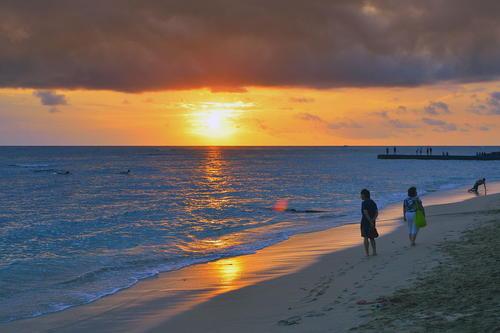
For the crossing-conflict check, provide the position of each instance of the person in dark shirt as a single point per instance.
(478, 183)
(369, 213)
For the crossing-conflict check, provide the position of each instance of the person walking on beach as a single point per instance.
(369, 214)
(410, 206)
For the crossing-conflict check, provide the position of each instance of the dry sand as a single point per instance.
(295, 286)
(460, 295)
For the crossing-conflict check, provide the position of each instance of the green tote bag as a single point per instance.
(420, 221)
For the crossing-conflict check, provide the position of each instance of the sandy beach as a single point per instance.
(318, 282)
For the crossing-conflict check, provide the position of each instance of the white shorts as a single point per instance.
(410, 219)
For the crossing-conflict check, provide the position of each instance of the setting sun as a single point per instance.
(214, 123)
(215, 120)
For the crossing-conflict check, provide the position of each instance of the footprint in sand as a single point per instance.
(314, 314)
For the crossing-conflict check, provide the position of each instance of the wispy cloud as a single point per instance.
(344, 124)
(329, 125)
(490, 106)
(395, 122)
(494, 103)
(310, 117)
(401, 124)
(440, 125)
(302, 100)
(51, 98)
(437, 108)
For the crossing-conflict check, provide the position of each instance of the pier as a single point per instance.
(495, 156)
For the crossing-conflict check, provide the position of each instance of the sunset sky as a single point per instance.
(228, 72)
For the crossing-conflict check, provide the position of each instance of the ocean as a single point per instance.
(76, 226)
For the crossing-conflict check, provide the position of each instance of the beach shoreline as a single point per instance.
(170, 300)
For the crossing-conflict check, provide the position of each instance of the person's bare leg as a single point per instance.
(366, 247)
(374, 246)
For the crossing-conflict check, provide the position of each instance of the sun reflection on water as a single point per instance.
(213, 182)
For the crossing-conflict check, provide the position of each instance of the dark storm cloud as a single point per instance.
(176, 44)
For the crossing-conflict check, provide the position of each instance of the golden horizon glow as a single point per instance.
(256, 117)
(215, 120)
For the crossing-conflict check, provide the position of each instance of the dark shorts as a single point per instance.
(367, 231)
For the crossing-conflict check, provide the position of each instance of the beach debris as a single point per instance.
(294, 320)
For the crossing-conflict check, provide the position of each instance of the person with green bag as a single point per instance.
(413, 214)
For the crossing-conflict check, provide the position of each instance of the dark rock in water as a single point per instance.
(305, 211)
(45, 170)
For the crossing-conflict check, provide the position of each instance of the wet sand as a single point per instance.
(309, 283)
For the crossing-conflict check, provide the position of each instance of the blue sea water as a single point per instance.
(69, 239)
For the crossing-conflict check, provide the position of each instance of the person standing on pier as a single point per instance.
(430, 150)
(394, 150)
(387, 151)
